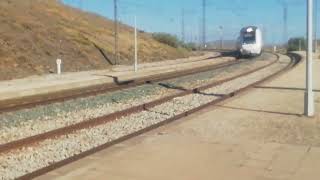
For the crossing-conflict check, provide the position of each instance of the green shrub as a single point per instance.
(294, 43)
(189, 46)
(173, 41)
(166, 38)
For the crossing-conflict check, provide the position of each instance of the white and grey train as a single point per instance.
(250, 41)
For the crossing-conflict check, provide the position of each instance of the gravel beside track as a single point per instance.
(29, 122)
(18, 163)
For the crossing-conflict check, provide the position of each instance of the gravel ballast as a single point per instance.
(15, 164)
(25, 123)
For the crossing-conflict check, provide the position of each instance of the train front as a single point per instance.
(251, 43)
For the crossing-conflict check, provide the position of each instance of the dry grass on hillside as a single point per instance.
(33, 33)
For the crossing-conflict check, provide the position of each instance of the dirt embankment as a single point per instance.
(33, 33)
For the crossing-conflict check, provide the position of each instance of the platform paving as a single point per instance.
(260, 135)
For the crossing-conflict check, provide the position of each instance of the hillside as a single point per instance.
(33, 33)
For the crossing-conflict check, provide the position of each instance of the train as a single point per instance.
(250, 42)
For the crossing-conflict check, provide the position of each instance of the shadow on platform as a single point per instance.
(283, 88)
(262, 111)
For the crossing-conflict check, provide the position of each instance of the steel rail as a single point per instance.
(61, 96)
(294, 61)
(29, 141)
(98, 121)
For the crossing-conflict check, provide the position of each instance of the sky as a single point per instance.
(232, 15)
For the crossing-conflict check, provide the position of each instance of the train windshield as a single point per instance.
(249, 37)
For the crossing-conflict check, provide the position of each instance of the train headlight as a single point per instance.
(249, 30)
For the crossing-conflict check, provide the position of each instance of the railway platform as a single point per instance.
(259, 135)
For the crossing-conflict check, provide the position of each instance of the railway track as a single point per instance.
(30, 122)
(34, 141)
(61, 96)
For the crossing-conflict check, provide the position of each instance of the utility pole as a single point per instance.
(315, 26)
(135, 45)
(116, 33)
(199, 35)
(285, 23)
(191, 36)
(285, 20)
(309, 95)
(183, 26)
(204, 25)
(221, 37)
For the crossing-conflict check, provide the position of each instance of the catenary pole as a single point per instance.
(309, 95)
(204, 23)
(285, 24)
(315, 26)
(135, 45)
(183, 35)
(221, 37)
(116, 34)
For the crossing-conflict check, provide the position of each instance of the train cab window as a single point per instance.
(249, 37)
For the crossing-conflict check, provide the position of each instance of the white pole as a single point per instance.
(300, 46)
(59, 61)
(309, 96)
(135, 45)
